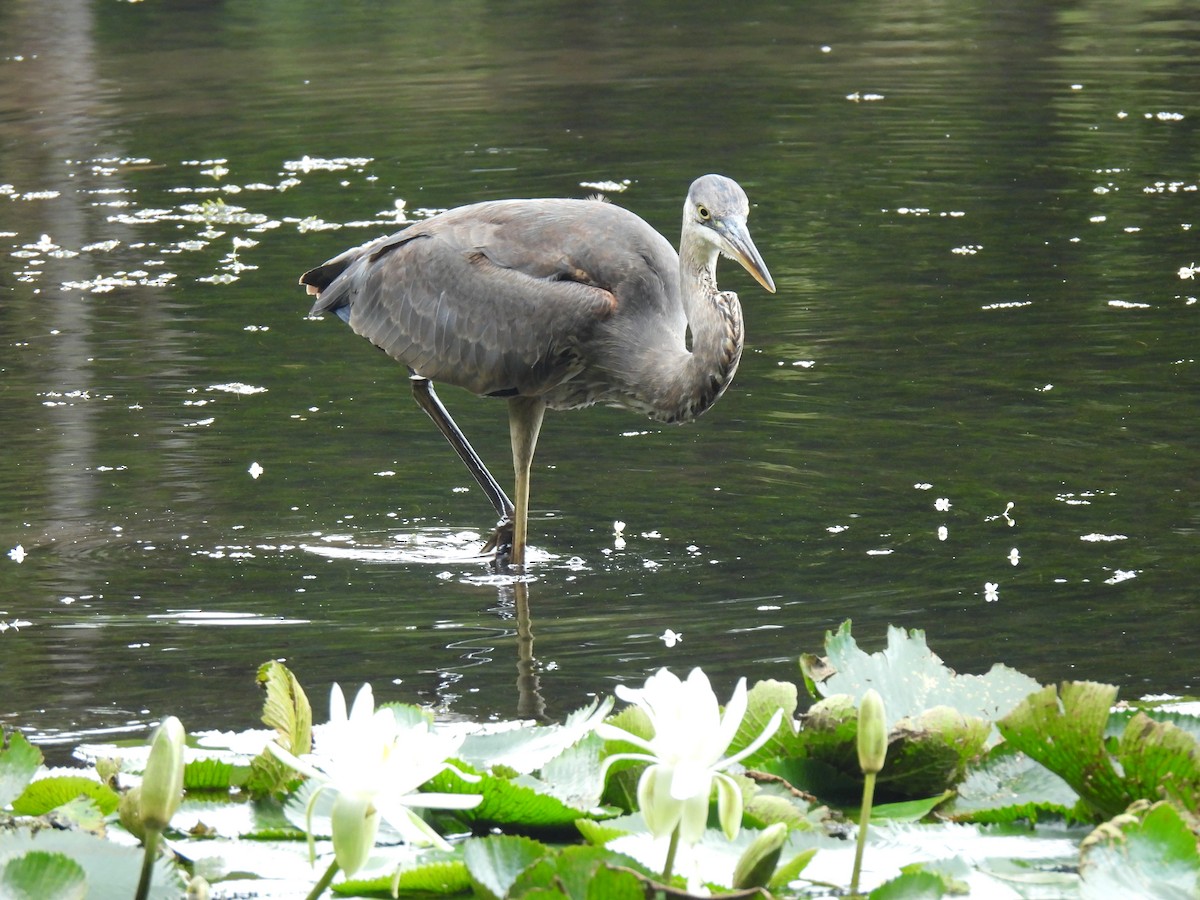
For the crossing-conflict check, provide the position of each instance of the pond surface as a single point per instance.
(971, 408)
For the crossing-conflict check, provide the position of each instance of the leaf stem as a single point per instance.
(864, 817)
(323, 882)
(150, 843)
(669, 865)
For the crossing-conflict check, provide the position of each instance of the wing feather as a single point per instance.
(500, 298)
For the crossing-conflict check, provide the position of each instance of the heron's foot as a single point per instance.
(500, 545)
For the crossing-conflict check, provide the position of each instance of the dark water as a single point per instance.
(982, 222)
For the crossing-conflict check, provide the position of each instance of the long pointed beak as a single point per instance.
(742, 249)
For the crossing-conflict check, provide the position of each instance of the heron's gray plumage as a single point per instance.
(557, 303)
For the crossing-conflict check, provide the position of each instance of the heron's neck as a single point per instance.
(715, 322)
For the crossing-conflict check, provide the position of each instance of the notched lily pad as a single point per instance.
(911, 678)
(50, 876)
(926, 754)
(19, 760)
(523, 802)
(1008, 786)
(1064, 730)
(1149, 853)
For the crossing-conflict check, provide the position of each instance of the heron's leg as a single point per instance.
(524, 423)
(423, 393)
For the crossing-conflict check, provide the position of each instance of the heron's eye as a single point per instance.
(703, 213)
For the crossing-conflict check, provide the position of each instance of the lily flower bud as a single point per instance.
(757, 864)
(872, 733)
(162, 782)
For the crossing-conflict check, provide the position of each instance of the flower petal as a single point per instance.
(757, 743)
(354, 823)
(364, 704)
(295, 762)
(412, 827)
(613, 733)
(729, 806)
(337, 704)
(693, 819)
(690, 778)
(735, 711)
(434, 800)
(627, 757)
(660, 810)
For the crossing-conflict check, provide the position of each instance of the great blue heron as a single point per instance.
(551, 303)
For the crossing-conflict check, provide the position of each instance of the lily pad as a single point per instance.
(19, 760)
(495, 862)
(434, 872)
(1065, 729)
(1007, 786)
(911, 678)
(38, 875)
(762, 700)
(112, 871)
(286, 709)
(581, 873)
(46, 794)
(525, 747)
(927, 753)
(1149, 853)
(522, 802)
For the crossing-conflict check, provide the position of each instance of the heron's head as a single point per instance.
(715, 214)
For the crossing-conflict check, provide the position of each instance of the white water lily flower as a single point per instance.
(375, 765)
(686, 754)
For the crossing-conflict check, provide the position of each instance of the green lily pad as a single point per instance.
(1149, 853)
(1008, 786)
(911, 678)
(525, 747)
(579, 873)
(19, 760)
(762, 700)
(915, 885)
(926, 754)
(112, 871)
(285, 709)
(1065, 729)
(523, 802)
(434, 872)
(495, 862)
(38, 875)
(46, 794)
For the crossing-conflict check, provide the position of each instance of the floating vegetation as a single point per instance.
(213, 202)
(1106, 794)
